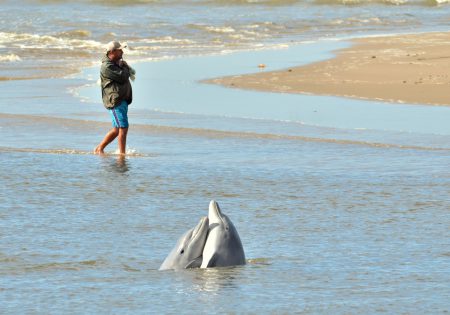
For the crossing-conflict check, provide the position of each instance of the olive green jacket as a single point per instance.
(116, 86)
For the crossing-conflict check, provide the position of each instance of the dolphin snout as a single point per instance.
(213, 203)
(201, 227)
(214, 213)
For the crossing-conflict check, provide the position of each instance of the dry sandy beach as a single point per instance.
(411, 68)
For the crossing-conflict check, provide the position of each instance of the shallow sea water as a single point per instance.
(325, 227)
(342, 205)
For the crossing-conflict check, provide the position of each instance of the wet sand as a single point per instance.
(409, 68)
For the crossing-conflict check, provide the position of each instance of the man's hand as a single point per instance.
(122, 63)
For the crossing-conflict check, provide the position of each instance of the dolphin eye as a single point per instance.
(182, 251)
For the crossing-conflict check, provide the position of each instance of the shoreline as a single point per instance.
(410, 68)
(154, 90)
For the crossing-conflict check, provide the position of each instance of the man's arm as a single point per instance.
(116, 73)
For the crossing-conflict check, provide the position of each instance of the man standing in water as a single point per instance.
(116, 95)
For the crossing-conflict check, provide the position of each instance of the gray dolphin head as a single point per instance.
(188, 251)
(223, 246)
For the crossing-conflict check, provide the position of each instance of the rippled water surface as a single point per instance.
(342, 205)
(332, 219)
(40, 38)
(326, 228)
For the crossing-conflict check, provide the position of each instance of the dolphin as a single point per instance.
(187, 253)
(223, 246)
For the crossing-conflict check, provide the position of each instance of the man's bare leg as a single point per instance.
(122, 140)
(110, 136)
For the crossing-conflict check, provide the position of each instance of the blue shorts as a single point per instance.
(119, 115)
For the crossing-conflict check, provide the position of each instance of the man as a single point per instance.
(116, 95)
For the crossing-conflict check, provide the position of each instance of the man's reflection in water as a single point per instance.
(115, 164)
(121, 165)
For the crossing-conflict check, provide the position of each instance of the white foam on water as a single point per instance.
(37, 41)
(129, 152)
(10, 58)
